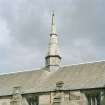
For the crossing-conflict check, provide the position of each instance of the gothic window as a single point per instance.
(33, 100)
(93, 99)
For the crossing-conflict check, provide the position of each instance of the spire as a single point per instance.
(53, 57)
(53, 26)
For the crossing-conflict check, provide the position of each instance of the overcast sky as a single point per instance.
(25, 27)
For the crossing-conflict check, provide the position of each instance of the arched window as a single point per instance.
(93, 99)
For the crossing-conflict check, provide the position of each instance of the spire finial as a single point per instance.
(53, 26)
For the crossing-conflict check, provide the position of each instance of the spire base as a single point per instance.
(53, 62)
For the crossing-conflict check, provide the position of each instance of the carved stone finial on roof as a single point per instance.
(17, 90)
(59, 85)
(16, 96)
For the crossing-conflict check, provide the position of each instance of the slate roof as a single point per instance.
(82, 76)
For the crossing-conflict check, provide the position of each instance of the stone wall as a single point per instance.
(44, 100)
(64, 98)
(59, 98)
(73, 98)
(24, 101)
(5, 101)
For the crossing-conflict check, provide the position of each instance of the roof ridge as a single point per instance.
(93, 62)
(23, 71)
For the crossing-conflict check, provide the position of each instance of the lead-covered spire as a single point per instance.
(53, 58)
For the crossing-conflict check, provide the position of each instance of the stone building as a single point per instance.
(82, 84)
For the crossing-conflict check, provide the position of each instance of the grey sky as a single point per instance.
(25, 26)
